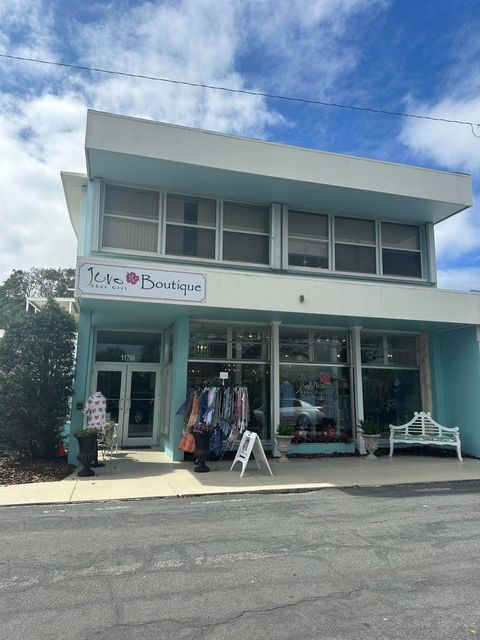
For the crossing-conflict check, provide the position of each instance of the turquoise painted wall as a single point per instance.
(456, 382)
(179, 386)
(82, 379)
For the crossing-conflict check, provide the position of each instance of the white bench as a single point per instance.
(423, 429)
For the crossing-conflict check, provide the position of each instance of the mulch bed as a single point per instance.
(15, 469)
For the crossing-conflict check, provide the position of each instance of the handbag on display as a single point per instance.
(187, 443)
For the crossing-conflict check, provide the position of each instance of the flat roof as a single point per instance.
(156, 154)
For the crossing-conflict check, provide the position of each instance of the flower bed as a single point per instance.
(315, 438)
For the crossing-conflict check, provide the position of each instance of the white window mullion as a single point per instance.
(219, 241)
(331, 243)
(161, 223)
(378, 229)
(285, 237)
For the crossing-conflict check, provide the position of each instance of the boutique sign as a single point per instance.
(132, 282)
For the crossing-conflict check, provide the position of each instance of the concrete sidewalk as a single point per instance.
(148, 473)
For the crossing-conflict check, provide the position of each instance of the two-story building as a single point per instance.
(307, 277)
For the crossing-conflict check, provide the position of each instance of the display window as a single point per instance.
(234, 355)
(315, 393)
(390, 377)
(255, 377)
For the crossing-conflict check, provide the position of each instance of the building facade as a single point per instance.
(307, 277)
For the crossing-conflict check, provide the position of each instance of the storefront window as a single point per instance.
(390, 377)
(315, 393)
(390, 396)
(294, 345)
(208, 341)
(230, 342)
(317, 401)
(313, 345)
(127, 346)
(256, 377)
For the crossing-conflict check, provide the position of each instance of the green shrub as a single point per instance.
(36, 373)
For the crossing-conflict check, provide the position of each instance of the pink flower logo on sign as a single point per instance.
(132, 277)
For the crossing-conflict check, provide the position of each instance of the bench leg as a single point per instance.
(459, 453)
(391, 448)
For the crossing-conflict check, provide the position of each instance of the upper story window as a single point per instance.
(401, 253)
(159, 224)
(355, 245)
(131, 219)
(307, 240)
(191, 227)
(246, 233)
(140, 220)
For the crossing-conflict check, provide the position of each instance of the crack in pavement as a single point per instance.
(287, 605)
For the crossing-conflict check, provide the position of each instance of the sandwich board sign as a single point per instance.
(250, 443)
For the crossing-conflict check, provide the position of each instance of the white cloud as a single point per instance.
(467, 279)
(453, 147)
(458, 236)
(310, 45)
(43, 109)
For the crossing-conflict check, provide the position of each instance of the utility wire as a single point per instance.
(244, 91)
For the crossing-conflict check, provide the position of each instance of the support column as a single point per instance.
(275, 378)
(179, 386)
(358, 386)
(83, 367)
(425, 375)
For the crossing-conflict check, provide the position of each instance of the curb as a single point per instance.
(282, 491)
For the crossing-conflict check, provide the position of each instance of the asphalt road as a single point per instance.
(339, 564)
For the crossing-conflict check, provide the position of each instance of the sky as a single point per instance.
(419, 56)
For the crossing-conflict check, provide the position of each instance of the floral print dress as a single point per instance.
(96, 410)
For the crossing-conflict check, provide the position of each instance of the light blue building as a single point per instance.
(309, 277)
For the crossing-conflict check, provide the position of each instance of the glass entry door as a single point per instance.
(132, 400)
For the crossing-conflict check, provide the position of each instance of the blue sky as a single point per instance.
(399, 55)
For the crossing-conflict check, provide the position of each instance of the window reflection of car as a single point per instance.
(302, 414)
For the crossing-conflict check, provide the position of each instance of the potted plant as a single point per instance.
(283, 439)
(87, 445)
(370, 431)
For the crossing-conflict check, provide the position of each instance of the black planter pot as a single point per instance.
(202, 451)
(86, 455)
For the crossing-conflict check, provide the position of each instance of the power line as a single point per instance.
(244, 91)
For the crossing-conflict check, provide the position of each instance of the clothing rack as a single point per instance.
(221, 409)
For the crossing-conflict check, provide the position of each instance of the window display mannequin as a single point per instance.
(96, 410)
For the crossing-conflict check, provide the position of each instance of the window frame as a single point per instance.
(310, 337)
(378, 274)
(268, 234)
(420, 250)
(328, 241)
(385, 335)
(230, 326)
(162, 222)
(138, 252)
(186, 225)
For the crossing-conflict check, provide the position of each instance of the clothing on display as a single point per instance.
(96, 410)
(221, 410)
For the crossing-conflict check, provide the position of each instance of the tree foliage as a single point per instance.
(36, 373)
(35, 282)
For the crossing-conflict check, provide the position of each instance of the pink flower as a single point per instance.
(132, 277)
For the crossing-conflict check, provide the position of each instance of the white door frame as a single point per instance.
(126, 370)
(125, 440)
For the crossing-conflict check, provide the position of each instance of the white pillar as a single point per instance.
(358, 386)
(275, 382)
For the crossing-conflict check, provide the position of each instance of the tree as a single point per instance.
(36, 282)
(36, 374)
